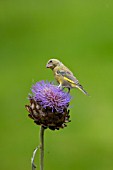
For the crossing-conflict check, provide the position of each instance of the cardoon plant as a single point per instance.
(48, 108)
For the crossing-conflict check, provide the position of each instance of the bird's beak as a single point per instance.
(47, 66)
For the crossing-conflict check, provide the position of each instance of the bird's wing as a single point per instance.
(68, 76)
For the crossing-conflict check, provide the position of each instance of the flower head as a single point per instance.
(49, 95)
(48, 105)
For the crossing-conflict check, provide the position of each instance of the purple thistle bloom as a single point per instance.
(49, 106)
(50, 96)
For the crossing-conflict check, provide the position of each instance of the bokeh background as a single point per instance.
(80, 34)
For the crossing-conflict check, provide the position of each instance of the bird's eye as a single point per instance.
(50, 61)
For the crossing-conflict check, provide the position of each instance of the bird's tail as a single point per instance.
(80, 87)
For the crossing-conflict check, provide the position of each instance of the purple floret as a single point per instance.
(49, 95)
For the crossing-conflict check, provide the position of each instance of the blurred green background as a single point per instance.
(80, 34)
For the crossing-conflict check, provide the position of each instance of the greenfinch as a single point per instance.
(64, 76)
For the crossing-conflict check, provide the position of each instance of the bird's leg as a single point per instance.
(60, 86)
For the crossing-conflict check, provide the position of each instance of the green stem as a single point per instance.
(41, 148)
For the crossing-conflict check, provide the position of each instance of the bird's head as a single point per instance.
(52, 63)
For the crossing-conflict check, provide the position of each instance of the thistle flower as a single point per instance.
(49, 105)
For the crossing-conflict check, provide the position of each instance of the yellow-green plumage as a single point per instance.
(63, 75)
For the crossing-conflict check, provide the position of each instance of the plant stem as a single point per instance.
(41, 148)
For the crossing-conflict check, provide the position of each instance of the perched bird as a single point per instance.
(64, 76)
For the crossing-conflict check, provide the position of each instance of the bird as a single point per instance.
(64, 76)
